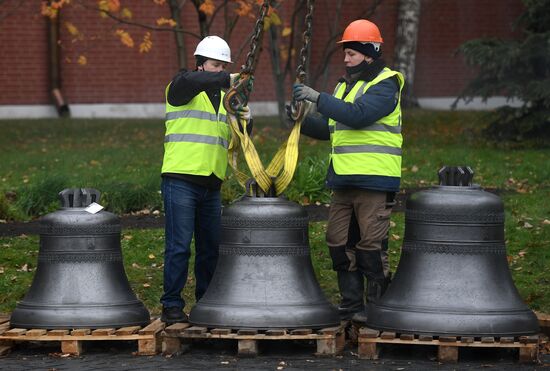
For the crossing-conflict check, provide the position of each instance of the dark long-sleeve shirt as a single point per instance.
(187, 84)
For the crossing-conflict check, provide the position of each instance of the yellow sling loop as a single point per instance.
(281, 169)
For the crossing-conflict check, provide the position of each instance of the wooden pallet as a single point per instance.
(544, 322)
(447, 346)
(148, 337)
(330, 341)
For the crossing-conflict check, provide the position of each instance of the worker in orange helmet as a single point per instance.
(362, 119)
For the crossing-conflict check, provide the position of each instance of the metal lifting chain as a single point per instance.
(274, 179)
(301, 69)
(252, 55)
(297, 109)
(237, 96)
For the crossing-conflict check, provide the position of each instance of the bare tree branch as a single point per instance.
(135, 24)
(175, 13)
(244, 44)
(203, 25)
(216, 10)
(297, 10)
(181, 4)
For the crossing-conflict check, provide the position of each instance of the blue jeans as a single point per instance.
(189, 209)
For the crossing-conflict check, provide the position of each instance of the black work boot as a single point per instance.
(171, 315)
(351, 285)
(370, 263)
(375, 290)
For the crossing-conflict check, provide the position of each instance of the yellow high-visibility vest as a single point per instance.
(196, 139)
(371, 150)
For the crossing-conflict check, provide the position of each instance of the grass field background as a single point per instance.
(122, 159)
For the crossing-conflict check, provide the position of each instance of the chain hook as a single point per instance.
(237, 96)
(299, 109)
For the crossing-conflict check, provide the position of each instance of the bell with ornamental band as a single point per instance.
(264, 278)
(80, 280)
(453, 277)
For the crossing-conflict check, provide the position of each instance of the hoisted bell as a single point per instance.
(453, 276)
(80, 280)
(264, 277)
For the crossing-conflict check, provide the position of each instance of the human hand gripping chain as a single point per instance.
(303, 92)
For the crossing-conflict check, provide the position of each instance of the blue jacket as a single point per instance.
(379, 101)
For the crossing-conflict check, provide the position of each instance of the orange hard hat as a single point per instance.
(363, 31)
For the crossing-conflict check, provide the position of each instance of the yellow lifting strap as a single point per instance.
(281, 168)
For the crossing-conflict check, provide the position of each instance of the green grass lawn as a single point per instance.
(122, 158)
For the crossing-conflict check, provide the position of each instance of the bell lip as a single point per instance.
(80, 325)
(25, 304)
(264, 328)
(468, 321)
(260, 323)
(257, 317)
(67, 317)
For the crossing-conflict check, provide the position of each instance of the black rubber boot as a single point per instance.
(371, 265)
(352, 286)
(375, 290)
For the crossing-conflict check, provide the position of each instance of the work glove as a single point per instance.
(301, 92)
(233, 78)
(243, 113)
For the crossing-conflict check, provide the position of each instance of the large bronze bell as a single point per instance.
(264, 277)
(453, 276)
(80, 280)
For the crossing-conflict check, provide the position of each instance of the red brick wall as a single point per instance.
(444, 26)
(23, 48)
(117, 74)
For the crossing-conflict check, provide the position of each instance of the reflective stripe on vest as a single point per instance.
(196, 138)
(368, 148)
(373, 127)
(195, 115)
(371, 150)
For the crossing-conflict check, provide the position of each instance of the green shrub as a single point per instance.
(308, 184)
(122, 197)
(41, 196)
(8, 211)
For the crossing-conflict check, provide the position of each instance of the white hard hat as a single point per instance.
(214, 47)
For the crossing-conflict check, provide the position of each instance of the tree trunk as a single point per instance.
(55, 67)
(203, 21)
(277, 73)
(408, 20)
(175, 10)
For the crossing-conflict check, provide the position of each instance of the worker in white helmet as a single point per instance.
(194, 166)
